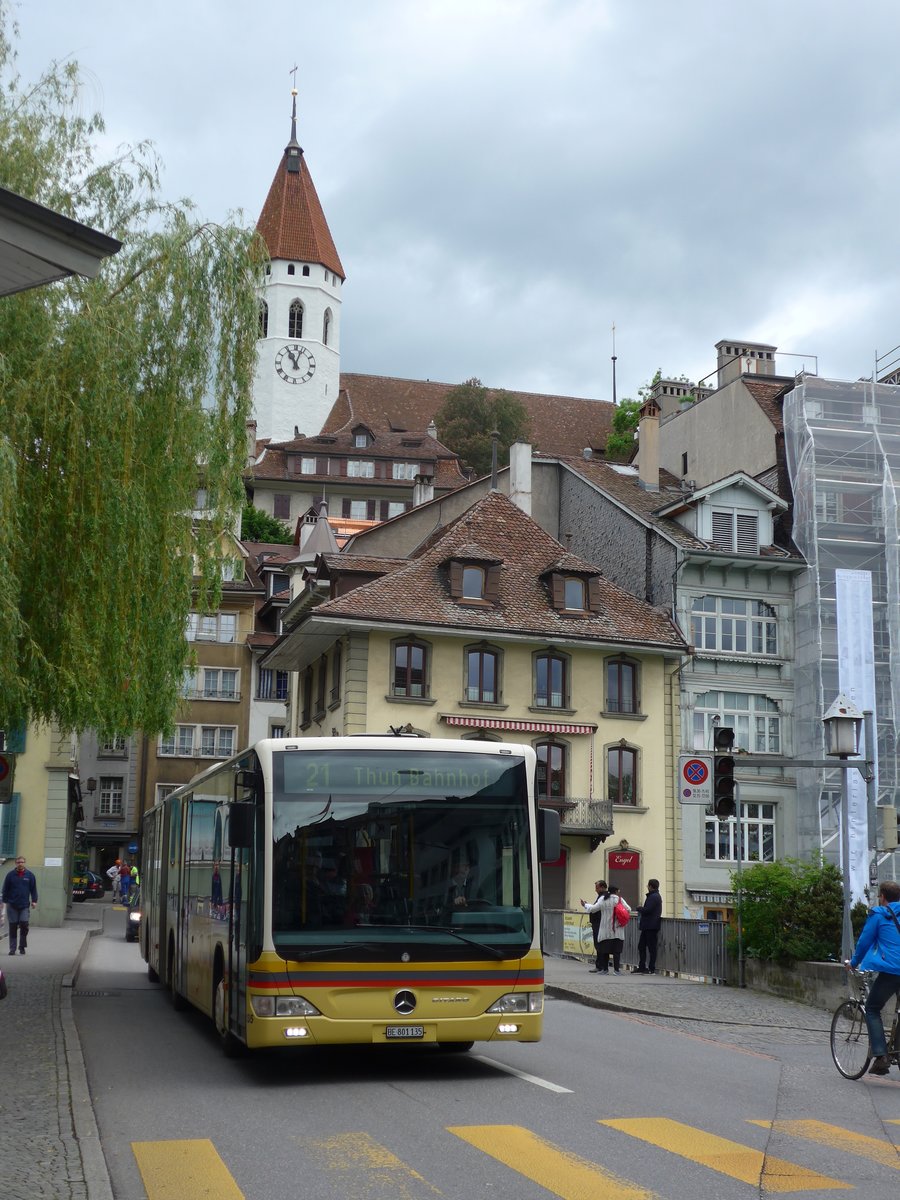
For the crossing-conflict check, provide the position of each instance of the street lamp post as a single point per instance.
(843, 723)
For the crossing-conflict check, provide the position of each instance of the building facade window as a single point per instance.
(212, 627)
(163, 790)
(757, 834)
(482, 676)
(574, 594)
(321, 686)
(551, 770)
(326, 326)
(732, 625)
(115, 746)
(358, 468)
(272, 685)
(306, 695)
(205, 741)
(622, 686)
(404, 470)
(263, 319)
(551, 681)
(112, 796)
(295, 320)
(307, 466)
(281, 506)
(409, 676)
(621, 774)
(755, 719)
(220, 683)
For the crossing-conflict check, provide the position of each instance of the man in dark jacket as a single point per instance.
(20, 897)
(648, 924)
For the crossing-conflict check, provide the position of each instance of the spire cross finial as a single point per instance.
(293, 71)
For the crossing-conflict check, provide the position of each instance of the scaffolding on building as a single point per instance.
(842, 446)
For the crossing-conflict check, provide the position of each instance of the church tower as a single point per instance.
(298, 365)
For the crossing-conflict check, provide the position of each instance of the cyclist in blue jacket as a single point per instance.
(878, 949)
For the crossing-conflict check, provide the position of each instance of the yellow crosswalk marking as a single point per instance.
(727, 1157)
(366, 1163)
(838, 1138)
(563, 1174)
(184, 1170)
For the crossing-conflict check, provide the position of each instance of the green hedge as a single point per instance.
(792, 911)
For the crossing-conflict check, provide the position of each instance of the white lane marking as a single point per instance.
(544, 1083)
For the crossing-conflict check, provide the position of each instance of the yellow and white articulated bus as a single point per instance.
(361, 890)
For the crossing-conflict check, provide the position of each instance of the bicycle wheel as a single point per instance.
(850, 1040)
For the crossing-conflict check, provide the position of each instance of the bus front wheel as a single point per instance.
(231, 1047)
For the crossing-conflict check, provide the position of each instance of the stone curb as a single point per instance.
(93, 1161)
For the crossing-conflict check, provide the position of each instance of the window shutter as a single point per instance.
(456, 579)
(321, 466)
(9, 826)
(282, 505)
(492, 583)
(558, 584)
(345, 508)
(370, 510)
(723, 530)
(594, 594)
(748, 533)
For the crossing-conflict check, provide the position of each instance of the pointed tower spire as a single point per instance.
(292, 222)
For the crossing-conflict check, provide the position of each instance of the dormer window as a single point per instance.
(473, 583)
(575, 594)
(362, 437)
(735, 531)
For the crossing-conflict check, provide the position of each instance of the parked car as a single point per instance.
(93, 885)
(133, 916)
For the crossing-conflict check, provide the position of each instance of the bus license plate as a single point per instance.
(405, 1031)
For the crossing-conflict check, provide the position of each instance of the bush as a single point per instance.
(791, 911)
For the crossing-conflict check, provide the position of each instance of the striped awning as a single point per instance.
(513, 724)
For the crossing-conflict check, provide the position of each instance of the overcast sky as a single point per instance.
(506, 179)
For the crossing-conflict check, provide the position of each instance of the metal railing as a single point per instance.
(685, 947)
(583, 814)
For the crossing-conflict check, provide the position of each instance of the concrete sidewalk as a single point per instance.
(49, 1144)
(673, 996)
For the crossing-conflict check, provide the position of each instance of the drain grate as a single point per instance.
(94, 994)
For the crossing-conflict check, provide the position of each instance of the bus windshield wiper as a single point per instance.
(491, 951)
(335, 948)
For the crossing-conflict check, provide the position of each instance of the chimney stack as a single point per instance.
(648, 446)
(423, 490)
(520, 475)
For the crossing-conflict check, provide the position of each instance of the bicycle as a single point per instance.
(850, 1037)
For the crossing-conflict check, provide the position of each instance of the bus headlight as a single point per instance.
(283, 1006)
(518, 1002)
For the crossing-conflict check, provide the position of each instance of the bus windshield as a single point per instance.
(425, 850)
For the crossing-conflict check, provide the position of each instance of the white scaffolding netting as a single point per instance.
(842, 445)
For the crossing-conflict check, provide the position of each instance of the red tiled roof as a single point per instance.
(769, 395)
(418, 593)
(558, 424)
(292, 223)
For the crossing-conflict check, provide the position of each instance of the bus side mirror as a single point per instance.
(240, 826)
(247, 785)
(549, 846)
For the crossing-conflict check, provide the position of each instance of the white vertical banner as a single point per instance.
(856, 680)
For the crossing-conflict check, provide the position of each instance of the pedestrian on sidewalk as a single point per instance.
(124, 881)
(113, 876)
(610, 936)
(20, 897)
(878, 949)
(592, 908)
(649, 923)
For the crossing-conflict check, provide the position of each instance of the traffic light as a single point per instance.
(723, 773)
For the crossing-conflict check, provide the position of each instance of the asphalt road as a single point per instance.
(608, 1107)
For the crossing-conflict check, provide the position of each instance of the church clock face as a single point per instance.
(294, 363)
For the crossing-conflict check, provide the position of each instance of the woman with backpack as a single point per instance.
(610, 932)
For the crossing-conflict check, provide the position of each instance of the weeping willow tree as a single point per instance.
(119, 397)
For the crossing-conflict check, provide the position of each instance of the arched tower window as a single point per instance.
(306, 270)
(291, 268)
(326, 326)
(295, 320)
(263, 318)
